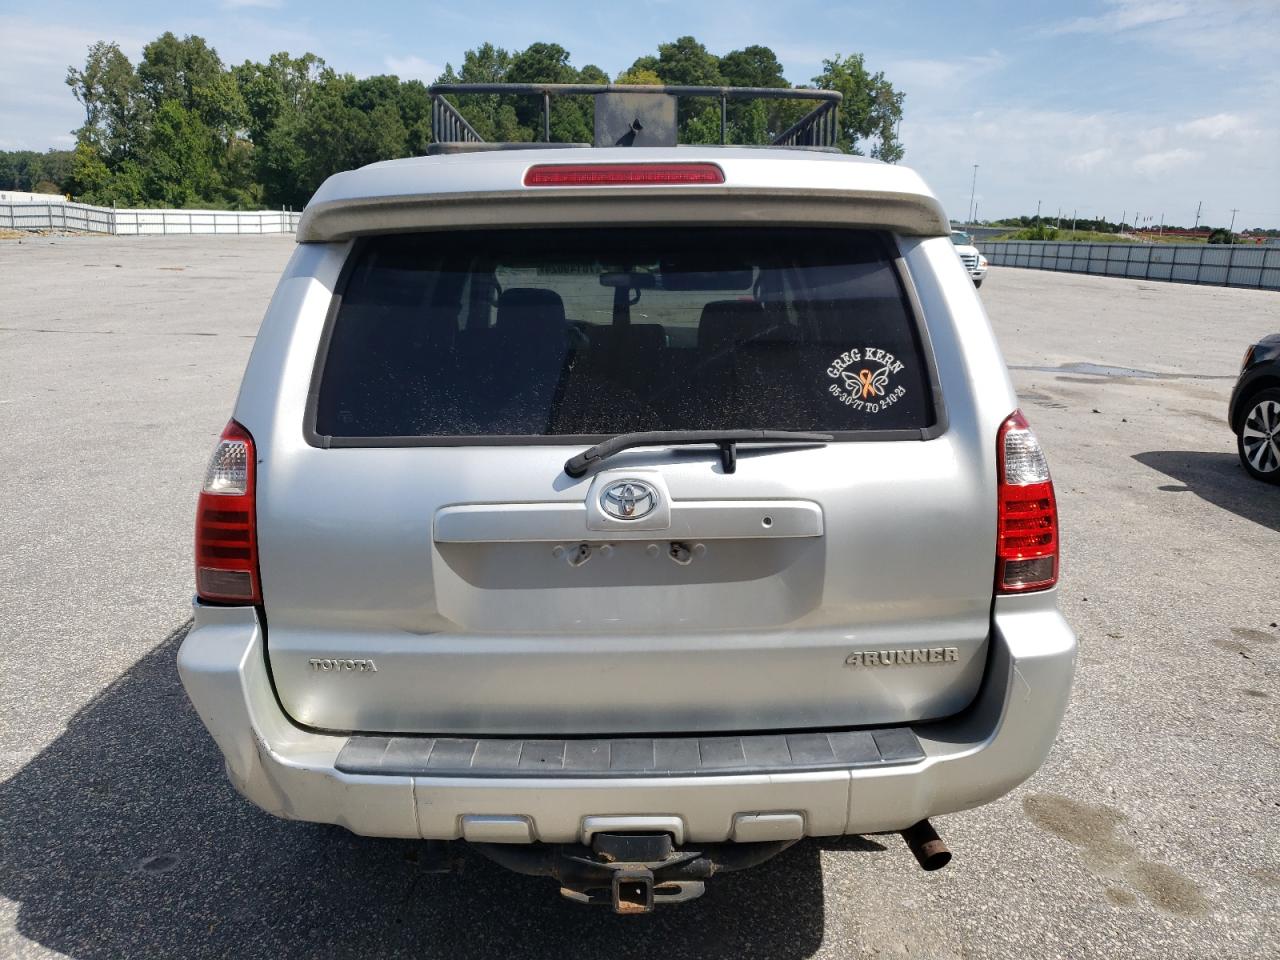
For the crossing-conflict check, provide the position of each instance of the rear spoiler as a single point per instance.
(912, 214)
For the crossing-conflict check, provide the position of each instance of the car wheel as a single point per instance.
(1259, 437)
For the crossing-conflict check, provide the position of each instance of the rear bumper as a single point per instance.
(961, 762)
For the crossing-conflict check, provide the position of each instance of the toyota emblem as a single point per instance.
(628, 499)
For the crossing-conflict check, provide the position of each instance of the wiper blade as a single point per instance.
(726, 440)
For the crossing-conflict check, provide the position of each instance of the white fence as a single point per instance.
(82, 217)
(1222, 265)
(20, 196)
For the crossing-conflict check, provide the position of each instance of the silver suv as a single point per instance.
(630, 515)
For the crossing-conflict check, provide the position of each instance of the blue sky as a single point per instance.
(1110, 106)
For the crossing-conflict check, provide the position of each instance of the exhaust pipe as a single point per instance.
(929, 850)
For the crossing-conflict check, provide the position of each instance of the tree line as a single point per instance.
(182, 129)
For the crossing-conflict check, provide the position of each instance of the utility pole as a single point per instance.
(1162, 223)
(1073, 219)
(1037, 211)
(973, 186)
(1059, 223)
(1122, 216)
(1198, 204)
(1232, 229)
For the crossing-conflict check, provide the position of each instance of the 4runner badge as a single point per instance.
(343, 664)
(865, 377)
(893, 658)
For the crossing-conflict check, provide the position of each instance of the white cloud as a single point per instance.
(1086, 161)
(940, 75)
(413, 68)
(1218, 126)
(1217, 33)
(1124, 15)
(1162, 161)
(36, 106)
(1100, 163)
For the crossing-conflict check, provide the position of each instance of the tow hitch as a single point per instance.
(632, 872)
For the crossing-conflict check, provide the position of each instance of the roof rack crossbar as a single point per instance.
(816, 129)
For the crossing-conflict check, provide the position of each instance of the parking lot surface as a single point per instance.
(1150, 832)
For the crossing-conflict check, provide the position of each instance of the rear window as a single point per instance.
(589, 333)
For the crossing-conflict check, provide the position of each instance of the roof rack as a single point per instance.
(629, 115)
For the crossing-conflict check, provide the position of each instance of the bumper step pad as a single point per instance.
(629, 757)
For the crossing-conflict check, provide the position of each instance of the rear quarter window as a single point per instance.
(542, 335)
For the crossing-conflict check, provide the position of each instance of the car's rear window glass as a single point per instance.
(539, 333)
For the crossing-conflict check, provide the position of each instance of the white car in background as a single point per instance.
(973, 261)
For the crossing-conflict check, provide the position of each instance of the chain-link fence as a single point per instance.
(1234, 265)
(89, 219)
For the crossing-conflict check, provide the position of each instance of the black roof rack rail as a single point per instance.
(629, 115)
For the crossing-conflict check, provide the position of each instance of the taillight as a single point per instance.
(226, 538)
(620, 174)
(1027, 525)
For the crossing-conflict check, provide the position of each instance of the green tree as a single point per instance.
(871, 109)
(48, 172)
(640, 76)
(90, 175)
(182, 129)
(273, 89)
(275, 94)
(493, 116)
(686, 62)
(178, 159)
(109, 90)
(758, 121)
(571, 117)
(173, 69)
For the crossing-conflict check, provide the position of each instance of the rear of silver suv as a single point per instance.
(628, 520)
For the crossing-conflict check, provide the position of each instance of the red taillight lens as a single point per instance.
(620, 174)
(1027, 525)
(226, 535)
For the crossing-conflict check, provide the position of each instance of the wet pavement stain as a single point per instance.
(1251, 635)
(1093, 830)
(1231, 646)
(1268, 878)
(1121, 897)
(1166, 888)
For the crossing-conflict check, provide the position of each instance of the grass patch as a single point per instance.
(1092, 236)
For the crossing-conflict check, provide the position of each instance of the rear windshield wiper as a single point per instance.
(726, 440)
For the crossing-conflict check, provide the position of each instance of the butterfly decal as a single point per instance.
(866, 383)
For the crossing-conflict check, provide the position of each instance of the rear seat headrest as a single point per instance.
(726, 322)
(526, 309)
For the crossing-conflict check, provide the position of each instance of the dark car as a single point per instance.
(1254, 413)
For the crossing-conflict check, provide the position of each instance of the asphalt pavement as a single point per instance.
(1150, 831)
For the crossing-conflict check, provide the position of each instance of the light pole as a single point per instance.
(1232, 229)
(973, 186)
